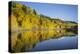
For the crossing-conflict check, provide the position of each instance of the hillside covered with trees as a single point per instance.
(24, 17)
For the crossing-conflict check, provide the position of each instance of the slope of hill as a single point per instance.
(25, 18)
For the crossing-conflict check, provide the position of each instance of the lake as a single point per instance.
(42, 40)
(57, 44)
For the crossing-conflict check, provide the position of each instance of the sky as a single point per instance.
(61, 11)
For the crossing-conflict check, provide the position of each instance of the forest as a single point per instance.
(25, 18)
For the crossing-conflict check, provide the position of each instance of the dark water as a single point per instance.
(57, 44)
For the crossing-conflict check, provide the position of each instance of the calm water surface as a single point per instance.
(43, 40)
(57, 44)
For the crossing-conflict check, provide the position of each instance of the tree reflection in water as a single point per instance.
(25, 41)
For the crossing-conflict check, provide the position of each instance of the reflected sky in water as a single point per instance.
(43, 40)
(57, 44)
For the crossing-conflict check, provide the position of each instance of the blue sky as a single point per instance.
(61, 11)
